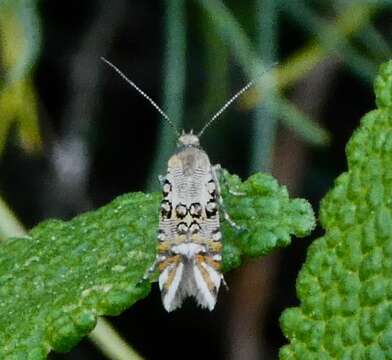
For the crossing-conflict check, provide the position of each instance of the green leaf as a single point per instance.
(55, 282)
(267, 214)
(345, 285)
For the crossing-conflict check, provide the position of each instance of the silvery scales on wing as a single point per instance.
(189, 251)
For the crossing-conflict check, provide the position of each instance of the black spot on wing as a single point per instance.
(195, 210)
(166, 188)
(166, 209)
(181, 211)
(211, 208)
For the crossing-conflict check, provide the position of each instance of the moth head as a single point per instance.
(189, 139)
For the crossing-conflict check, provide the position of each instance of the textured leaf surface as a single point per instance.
(54, 283)
(345, 286)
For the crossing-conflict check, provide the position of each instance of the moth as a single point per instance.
(189, 250)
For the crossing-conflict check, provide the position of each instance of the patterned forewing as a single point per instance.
(189, 226)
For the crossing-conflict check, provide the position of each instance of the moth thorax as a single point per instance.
(188, 140)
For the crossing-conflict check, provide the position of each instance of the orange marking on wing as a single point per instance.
(163, 246)
(197, 239)
(213, 263)
(170, 278)
(169, 261)
(179, 239)
(215, 246)
(204, 273)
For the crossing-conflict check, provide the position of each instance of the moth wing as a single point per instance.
(207, 281)
(169, 283)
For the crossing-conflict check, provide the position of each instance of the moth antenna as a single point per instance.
(141, 92)
(232, 99)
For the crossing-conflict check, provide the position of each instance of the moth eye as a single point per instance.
(166, 208)
(195, 209)
(166, 188)
(182, 228)
(181, 210)
(217, 235)
(211, 186)
(211, 208)
(194, 228)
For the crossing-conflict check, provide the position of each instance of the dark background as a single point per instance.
(119, 132)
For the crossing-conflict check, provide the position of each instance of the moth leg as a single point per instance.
(232, 192)
(218, 170)
(150, 270)
(220, 199)
(160, 260)
(228, 218)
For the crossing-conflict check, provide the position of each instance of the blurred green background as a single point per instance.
(73, 135)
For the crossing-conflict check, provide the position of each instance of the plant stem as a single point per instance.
(9, 224)
(334, 41)
(265, 121)
(110, 342)
(305, 59)
(235, 37)
(375, 42)
(174, 86)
